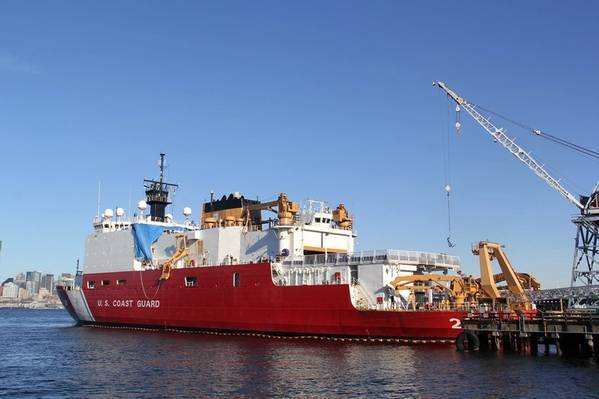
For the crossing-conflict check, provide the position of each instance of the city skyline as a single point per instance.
(31, 284)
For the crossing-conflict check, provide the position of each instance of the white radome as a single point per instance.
(108, 213)
(187, 211)
(141, 205)
(120, 212)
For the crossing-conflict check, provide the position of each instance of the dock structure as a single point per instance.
(571, 332)
(567, 297)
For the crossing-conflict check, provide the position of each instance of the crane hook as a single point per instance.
(449, 243)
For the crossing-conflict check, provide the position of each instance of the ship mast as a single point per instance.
(157, 192)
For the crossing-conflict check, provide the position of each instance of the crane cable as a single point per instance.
(449, 242)
(447, 165)
(575, 147)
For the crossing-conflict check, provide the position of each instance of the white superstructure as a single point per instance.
(111, 247)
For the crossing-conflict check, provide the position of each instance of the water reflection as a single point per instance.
(50, 358)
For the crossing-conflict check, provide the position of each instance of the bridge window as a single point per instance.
(121, 282)
(105, 282)
(235, 279)
(191, 281)
(91, 284)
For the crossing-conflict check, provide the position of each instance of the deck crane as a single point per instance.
(585, 266)
(467, 289)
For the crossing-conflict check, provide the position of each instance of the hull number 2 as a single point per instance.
(456, 323)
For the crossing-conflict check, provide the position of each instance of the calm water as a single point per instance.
(43, 355)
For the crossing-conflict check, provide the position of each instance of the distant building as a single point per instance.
(32, 288)
(33, 281)
(44, 293)
(10, 290)
(20, 279)
(48, 282)
(23, 294)
(8, 280)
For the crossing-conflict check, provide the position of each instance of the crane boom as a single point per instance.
(499, 135)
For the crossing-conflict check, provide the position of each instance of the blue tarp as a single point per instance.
(144, 235)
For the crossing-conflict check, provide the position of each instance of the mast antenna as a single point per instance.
(161, 168)
(157, 194)
(99, 193)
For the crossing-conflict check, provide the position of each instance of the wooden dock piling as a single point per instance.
(570, 332)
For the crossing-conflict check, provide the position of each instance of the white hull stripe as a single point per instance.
(77, 298)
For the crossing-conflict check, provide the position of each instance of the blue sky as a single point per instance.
(328, 100)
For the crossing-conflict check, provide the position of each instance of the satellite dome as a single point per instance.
(120, 212)
(187, 211)
(108, 213)
(141, 205)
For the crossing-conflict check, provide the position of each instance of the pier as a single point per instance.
(570, 332)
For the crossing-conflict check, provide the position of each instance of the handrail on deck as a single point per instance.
(376, 256)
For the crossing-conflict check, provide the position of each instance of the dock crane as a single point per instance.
(585, 266)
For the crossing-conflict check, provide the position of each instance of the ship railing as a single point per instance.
(416, 258)
(364, 303)
(312, 276)
(422, 306)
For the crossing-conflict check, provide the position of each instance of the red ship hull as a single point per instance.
(255, 305)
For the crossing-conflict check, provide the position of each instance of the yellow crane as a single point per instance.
(528, 281)
(487, 251)
(462, 289)
(286, 209)
(181, 252)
